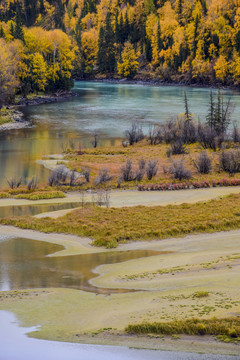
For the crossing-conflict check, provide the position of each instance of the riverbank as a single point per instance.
(11, 330)
(157, 82)
(45, 98)
(13, 118)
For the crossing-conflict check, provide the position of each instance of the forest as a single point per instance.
(45, 44)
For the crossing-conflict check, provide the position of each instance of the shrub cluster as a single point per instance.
(189, 185)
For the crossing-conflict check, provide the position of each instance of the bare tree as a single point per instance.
(32, 184)
(86, 173)
(179, 171)
(151, 169)
(134, 134)
(103, 177)
(203, 163)
(229, 161)
(14, 182)
(127, 173)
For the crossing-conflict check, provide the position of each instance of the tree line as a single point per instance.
(175, 40)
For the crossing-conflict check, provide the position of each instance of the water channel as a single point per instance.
(24, 263)
(105, 107)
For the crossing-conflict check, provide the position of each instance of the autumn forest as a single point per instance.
(45, 44)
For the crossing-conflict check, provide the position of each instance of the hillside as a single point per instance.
(179, 40)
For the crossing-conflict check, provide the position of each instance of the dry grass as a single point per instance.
(108, 227)
(39, 195)
(228, 327)
(113, 158)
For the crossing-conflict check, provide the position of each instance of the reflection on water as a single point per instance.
(26, 348)
(109, 108)
(7, 211)
(24, 265)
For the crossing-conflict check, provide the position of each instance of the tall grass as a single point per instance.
(108, 227)
(229, 327)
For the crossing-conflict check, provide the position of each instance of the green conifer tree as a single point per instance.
(2, 35)
(211, 112)
(18, 31)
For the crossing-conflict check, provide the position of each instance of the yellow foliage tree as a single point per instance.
(129, 65)
(9, 58)
(221, 68)
(39, 71)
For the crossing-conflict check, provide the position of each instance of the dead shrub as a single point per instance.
(229, 161)
(127, 173)
(151, 169)
(103, 177)
(179, 171)
(203, 163)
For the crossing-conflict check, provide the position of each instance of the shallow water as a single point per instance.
(108, 108)
(25, 264)
(20, 210)
(15, 345)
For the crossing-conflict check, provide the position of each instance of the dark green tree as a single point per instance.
(106, 49)
(148, 50)
(188, 116)
(2, 35)
(101, 50)
(18, 31)
(210, 118)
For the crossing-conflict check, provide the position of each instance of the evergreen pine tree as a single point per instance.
(2, 35)
(148, 50)
(110, 49)
(41, 7)
(218, 112)
(237, 42)
(211, 112)
(18, 31)
(12, 30)
(101, 56)
(121, 30)
(126, 27)
(187, 114)
(117, 33)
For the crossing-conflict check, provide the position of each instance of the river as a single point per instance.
(109, 109)
(105, 107)
(15, 345)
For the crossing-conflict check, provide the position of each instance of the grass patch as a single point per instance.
(228, 327)
(4, 195)
(5, 116)
(108, 227)
(41, 195)
(201, 294)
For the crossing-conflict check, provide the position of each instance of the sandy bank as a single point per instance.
(85, 315)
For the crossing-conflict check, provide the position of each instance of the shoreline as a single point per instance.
(103, 330)
(45, 99)
(102, 319)
(159, 83)
(17, 121)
